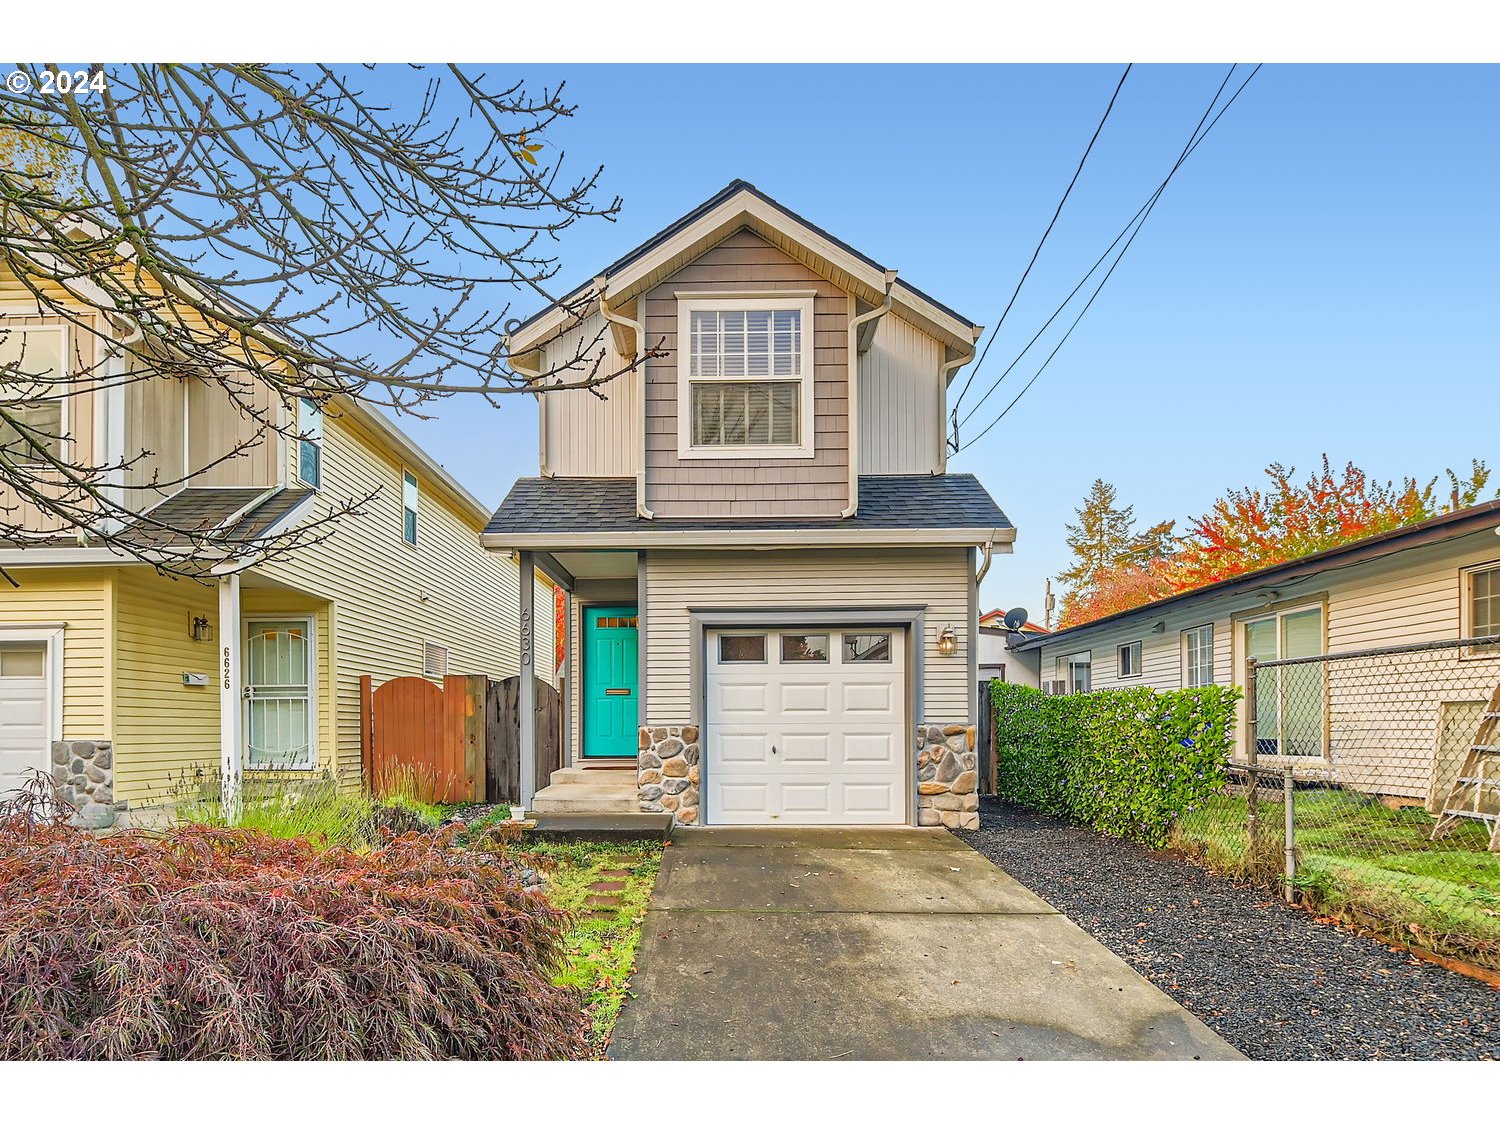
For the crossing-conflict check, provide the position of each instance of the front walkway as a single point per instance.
(817, 943)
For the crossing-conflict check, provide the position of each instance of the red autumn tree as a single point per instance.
(1249, 529)
(1113, 591)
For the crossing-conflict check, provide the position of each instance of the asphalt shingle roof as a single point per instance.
(572, 505)
(201, 510)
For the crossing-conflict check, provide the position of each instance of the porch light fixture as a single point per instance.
(201, 630)
(947, 641)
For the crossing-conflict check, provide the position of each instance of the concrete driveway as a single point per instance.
(786, 943)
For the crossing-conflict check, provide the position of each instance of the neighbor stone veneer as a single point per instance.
(84, 773)
(947, 774)
(947, 777)
(667, 772)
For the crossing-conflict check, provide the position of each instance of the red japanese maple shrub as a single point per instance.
(210, 943)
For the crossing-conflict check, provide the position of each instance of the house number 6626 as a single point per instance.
(228, 684)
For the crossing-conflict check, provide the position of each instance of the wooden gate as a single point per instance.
(503, 738)
(416, 735)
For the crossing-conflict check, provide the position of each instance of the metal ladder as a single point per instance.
(1477, 777)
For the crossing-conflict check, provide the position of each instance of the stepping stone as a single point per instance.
(611, 885)
(599, 914)
(602, 900)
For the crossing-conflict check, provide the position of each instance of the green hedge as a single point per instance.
(1126, 762)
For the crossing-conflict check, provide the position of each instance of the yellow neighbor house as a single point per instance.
(125, 683)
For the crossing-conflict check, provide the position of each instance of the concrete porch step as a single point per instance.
(606, 778)
(579, 797)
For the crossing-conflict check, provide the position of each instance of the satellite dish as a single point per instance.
(1014, 619)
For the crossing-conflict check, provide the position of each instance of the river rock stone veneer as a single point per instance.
(947, 777)
(666, 773)
(84, 772)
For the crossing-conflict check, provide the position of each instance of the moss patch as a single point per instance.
(605, 887)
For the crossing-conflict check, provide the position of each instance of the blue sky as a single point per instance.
(1320, 276)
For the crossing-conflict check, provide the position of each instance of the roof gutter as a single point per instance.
(853, 353)
(1439, 529)
(751, 539)
(639, 331)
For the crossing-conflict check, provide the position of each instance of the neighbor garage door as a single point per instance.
(805, 726)
(23, 713)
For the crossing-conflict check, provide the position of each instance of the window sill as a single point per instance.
(743, 452)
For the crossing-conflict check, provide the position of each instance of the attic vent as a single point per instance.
(434, 659)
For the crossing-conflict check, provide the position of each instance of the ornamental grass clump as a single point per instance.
(213, 943)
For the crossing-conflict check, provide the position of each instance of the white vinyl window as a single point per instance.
(1072, 674)
(748, 388)
(309, 443)
(409, 508)
(1289, 699)
(1130, 660)
(1198, 656)
(1483, 596)
(33, 369)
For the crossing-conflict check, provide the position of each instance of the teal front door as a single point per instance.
(611, 681)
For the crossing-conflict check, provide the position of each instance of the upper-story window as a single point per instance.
(309, 442)
(409, 497)
(748, 385)
(33, 362)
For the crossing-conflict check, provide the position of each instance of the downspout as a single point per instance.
(854, 326)
(639, 330)
(986, 550)
(942, 393)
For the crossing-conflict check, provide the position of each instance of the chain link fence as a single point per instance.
(1370, 789)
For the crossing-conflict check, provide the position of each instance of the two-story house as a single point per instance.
(125, 683)
(771, 576)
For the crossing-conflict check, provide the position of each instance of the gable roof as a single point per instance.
(1439, 529)
(738, 206)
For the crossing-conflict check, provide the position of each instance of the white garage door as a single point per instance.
(806, 726)
(23, 713)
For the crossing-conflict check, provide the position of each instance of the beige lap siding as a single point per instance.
(800, 486)
(838, 580)
(1383, 713)
(389, 597)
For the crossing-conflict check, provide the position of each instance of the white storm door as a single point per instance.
(805, 726)
(23, 714)
(278, 663)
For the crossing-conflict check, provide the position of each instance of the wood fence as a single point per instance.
(503, 738)
(455, 744)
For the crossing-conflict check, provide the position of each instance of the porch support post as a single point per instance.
(231, 732)
(526, 704)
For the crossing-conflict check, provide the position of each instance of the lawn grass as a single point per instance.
(1361, 859)
(600, 950)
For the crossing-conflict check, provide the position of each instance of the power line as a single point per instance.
(1150, 200)
(1200, 133)
(994, 332)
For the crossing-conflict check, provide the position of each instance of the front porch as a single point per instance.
(598, 632)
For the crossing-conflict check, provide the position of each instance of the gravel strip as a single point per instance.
(1267, 977)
